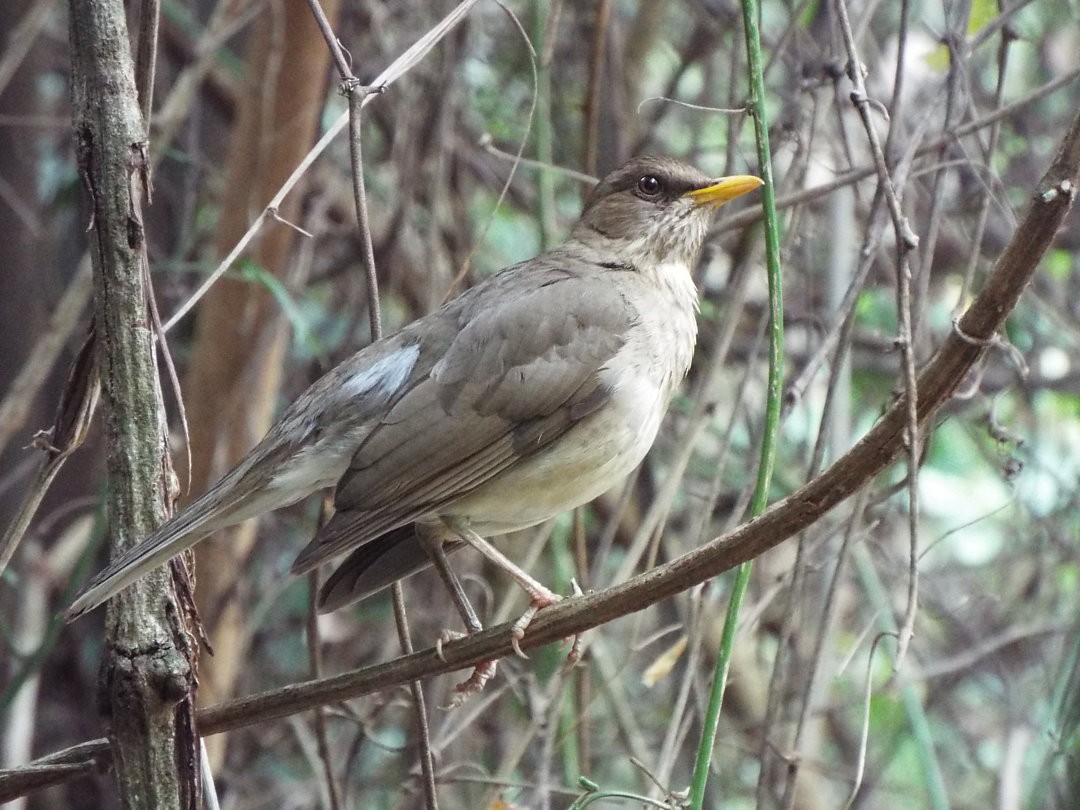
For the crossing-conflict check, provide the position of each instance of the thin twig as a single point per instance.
(395, 71)
(357, 96)
(852, 176)
(20, 38)
(467, 264)
(416, 688)
(877, 449)
(906, 242)
(1007, 37)
(314, 646)
(597, 53)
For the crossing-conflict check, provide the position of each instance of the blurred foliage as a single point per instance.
(993, 664)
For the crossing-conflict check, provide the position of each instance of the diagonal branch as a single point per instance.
(974, 333)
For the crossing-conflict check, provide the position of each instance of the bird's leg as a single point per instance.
(573, 658)
(540, 596)
(485, 670)
(453, 585)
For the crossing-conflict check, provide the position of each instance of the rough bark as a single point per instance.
(146, 672)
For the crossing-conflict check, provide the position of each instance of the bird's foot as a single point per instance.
(481, 674)
(538, 599)
(541, 597)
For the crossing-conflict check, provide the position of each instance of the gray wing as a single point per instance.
(523, 368)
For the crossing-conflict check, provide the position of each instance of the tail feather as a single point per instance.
(376, 565)
(212, 511)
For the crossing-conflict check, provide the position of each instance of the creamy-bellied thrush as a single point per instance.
(527, 395)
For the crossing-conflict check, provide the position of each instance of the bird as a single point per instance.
(527, 395)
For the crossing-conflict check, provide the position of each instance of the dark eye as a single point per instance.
(649, 185)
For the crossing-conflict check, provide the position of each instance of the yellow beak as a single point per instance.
(725, 189)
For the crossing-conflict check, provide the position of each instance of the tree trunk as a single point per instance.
(146, 672)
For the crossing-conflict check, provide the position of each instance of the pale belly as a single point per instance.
(594, 456)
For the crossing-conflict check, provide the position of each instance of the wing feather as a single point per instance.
(520, 371)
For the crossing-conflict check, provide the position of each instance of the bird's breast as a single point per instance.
(591, 458)
(598, 452)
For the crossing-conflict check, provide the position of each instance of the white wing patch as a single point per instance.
(321, 464)
(385, 375)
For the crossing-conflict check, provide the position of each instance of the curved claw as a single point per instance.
(573, 658)
(517, 631)
(482, 673)
(537, 601)
(515, 642)
(444, 637)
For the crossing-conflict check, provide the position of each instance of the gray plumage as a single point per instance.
(525, 396)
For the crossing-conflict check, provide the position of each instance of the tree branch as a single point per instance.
(974, 333)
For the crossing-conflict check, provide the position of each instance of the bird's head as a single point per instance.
(656, 209)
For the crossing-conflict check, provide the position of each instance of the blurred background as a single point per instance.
(970, 102)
